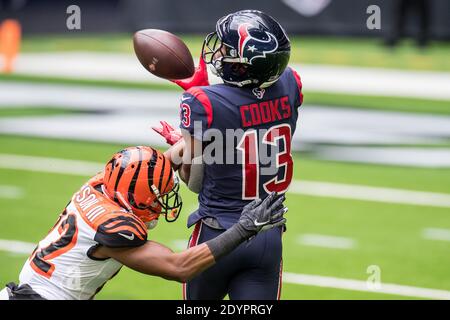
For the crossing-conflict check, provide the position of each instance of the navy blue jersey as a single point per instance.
(257, 159)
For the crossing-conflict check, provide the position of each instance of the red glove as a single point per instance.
(199, 78)
(168, 132)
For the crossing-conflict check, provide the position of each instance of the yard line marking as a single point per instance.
(11, 192)
(14, 246)
(325, 241)
(179, 244)
(51, 165)
(295, 278)
(367, 193)
(358, 285)
(304, 187)
(436, 234)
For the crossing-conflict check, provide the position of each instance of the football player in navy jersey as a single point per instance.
(104, 227)
(257, 105)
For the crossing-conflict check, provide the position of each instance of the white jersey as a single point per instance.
(62, 267)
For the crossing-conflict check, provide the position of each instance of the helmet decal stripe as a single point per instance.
(111, 162)
(125, 160)
(151, 169)
(168, 176)
(161, 175)
(132, 186)
(243, 37)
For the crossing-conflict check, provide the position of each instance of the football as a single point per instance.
(163, 54)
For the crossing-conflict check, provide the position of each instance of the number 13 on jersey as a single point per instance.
(248, 145)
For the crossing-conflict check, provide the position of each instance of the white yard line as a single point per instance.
(354, 80)
(436, 234)
(179, 244)
(294, 278)
(304, 187)
(50, 165)
(326, 241)
(14, 246)
(367, 193)
(358, 285)
(11, 192)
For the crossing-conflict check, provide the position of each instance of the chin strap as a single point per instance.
(151, 224)
(239, 84)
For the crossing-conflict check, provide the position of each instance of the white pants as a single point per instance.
(4, 294)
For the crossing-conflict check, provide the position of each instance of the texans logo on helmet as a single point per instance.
(255, 45)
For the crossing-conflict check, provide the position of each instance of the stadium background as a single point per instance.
(371, 187)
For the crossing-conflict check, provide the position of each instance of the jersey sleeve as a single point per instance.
(298, 82)
(195, 112)
(120, 229)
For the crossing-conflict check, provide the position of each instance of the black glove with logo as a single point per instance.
(260, 215)
(257, 216)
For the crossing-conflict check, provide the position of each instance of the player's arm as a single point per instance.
(153, 258)
(196, 116)
(156, 259)
(186, 157)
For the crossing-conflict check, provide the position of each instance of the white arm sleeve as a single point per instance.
(196, 176)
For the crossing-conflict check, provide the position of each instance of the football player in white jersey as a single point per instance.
(105, 224)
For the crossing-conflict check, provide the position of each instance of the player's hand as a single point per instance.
(260, 215)
(171, 135)
(199, 78)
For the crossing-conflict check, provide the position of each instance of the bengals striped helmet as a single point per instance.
(141, 179)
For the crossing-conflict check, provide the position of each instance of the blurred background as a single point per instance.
(371, 192)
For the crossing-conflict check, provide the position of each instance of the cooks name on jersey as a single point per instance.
(263, 112)
(227, 309)
(88, 203)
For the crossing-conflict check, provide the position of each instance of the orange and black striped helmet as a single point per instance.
(141, 179)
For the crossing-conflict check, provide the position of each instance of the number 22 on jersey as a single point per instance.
(248, 145)
(61, 239)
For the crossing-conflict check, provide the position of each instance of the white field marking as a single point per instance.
(179, 244)
(358, 285)
(11, 192)
(295, 278)
(319, 240)
(14, 246)
(51, 165)
(304, 187)
(367, 193)
(436, 234)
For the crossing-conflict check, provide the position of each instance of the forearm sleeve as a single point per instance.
(228, 241)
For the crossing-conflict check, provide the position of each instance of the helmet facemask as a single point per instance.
(222, 57)
(170, 202)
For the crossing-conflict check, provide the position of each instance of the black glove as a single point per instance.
(260, 215)
(257, 216)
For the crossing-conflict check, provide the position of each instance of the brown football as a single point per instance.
(163, 54)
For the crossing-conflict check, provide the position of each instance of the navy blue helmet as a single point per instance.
(248, 49)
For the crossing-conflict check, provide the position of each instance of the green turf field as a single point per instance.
(384, 234)
(364, 52)
(387, 235)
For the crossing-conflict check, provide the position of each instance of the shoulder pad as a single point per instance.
(200, 95)
(120, 229)
(298, 82)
